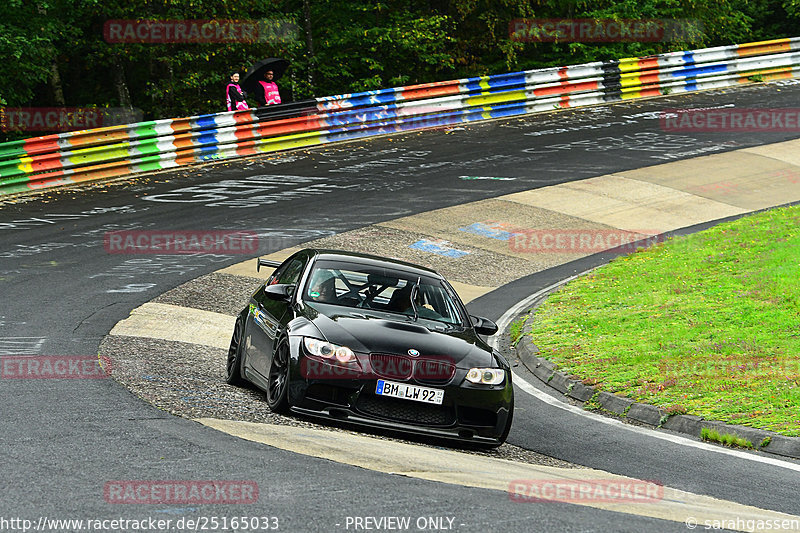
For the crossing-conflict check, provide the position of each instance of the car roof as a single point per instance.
(372, 260)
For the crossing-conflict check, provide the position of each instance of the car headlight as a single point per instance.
(328, 350)
(486, 376)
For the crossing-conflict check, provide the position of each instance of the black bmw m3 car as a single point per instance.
(373, 341)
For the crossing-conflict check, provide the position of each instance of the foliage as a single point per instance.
(724, 438)
(55, 47)
(516, 329)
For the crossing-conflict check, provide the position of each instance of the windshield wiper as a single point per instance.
(414, 292)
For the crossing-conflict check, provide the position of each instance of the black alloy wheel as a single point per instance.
(277, 399)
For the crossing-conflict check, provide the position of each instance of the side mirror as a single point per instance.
(483, 326)
(281, 292)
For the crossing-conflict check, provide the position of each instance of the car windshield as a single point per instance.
(381, 289)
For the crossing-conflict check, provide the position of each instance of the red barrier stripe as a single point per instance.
(290, 125)
(47, 143)
(44, 163)
(567, 87)
(431, 90)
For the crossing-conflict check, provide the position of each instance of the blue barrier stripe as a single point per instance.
(693, 72)
(205, 138)
(507, 110)
(206, 121)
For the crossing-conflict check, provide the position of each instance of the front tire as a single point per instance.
(278, 379)
(234, 363)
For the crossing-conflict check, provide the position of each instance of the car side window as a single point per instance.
(289, 273)
(292, 272)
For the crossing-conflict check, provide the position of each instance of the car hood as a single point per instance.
(369, 332)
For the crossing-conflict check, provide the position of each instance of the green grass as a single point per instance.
(515, 329)
(707, 324)
(724, 438)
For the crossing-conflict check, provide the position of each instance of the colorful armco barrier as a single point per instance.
(80, 156)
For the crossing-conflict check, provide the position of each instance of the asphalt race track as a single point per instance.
(63, 441)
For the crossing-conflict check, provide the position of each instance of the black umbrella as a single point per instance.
(256, 72)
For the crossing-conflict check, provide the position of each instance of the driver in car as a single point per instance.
(323, 287)
(401, 303)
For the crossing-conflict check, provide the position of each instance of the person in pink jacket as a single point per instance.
(271, 95)
(234, 96)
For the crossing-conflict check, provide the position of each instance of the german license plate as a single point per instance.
(409, 392)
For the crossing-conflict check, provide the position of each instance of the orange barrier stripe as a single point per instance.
(99, 174)
(655, 91)
(247, 151)
(242, 118)
(649, 78)
(106, 170)
(182, 141)
(36, 185)
(185, 158)
(181, 125)
(764, 47)
(648, 63)
(245, 132)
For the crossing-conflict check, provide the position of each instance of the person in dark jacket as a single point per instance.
(234, 96)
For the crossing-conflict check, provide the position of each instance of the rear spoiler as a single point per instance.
(266, 263)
